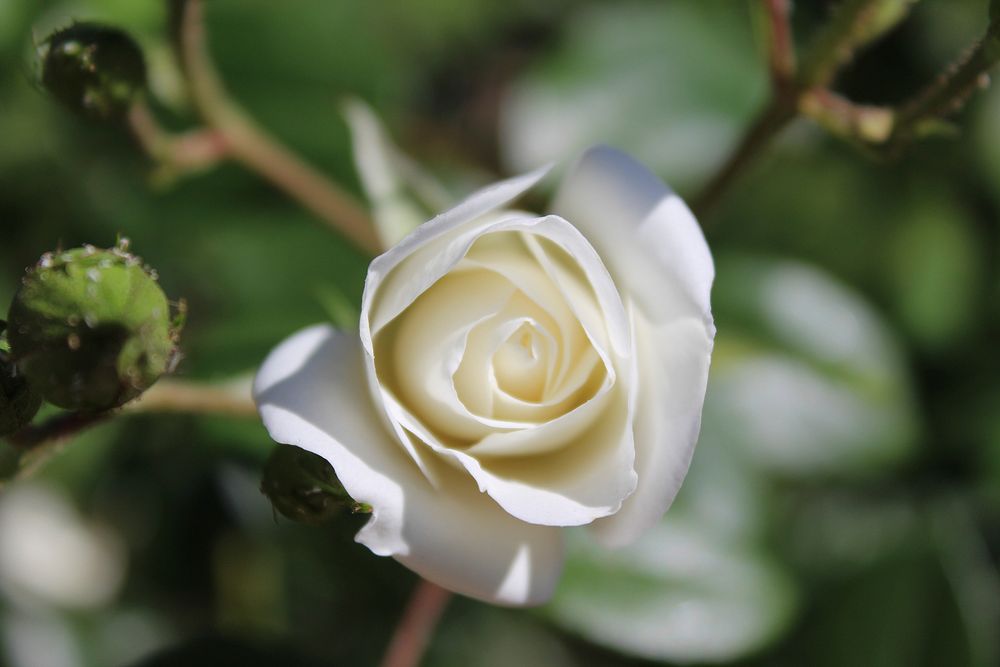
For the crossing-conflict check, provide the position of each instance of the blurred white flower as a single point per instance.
(50, 556)
(513, 374)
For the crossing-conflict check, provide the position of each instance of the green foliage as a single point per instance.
(671, 83)
(807, 378)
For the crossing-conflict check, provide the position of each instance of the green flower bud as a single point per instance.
(94, 70)
(90, 329)
(304, 487)
(18, 401)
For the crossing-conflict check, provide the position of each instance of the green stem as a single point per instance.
(253, 147)
(950, 91)
(834, 47)
(38, 443)
(774, 118)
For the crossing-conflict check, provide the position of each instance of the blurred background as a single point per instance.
(843, 507)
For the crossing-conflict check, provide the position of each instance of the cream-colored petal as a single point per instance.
(647, 237)
(397, 277)
(418, 355)
(573, 469)
(311, 393)
(657, 254)
(673, 374)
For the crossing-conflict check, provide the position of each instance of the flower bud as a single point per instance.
(18, 401)
(304, 487)
(90, 329)
(94, 70)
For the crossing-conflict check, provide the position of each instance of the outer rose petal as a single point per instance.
(657, 255)
(673, 361)
(311, 392)
(433, 241)
(647, 237)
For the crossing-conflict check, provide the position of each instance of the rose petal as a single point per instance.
(675, 360)
(647, 237)
(657, 254)
(416, 262)
(311, 393)
(573, 470)
(417, 355)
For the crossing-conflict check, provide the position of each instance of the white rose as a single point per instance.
(514, 374)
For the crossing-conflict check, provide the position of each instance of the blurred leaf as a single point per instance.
(971, 572)
(936, 267)
(834, 533)
(216, 651)
(485, 636)
(806, 378)
(698, 587)
(671, 83)
(987, 135)
(679, 594)
(928, 601)
(898, 613)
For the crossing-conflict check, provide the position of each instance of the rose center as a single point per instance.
(519, 364)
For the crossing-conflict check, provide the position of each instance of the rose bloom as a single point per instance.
(513, 374)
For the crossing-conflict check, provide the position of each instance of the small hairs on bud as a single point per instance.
(94, 70)
(90, 329)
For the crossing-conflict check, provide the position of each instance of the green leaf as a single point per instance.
(935, 269)
(401, 194)
(698, 587)
(671, 83)
(806, 377)
(679, 594)
(921, 591)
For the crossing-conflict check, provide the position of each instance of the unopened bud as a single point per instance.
(18, 401)
(90, 328)
(304, 487)
(95, 70)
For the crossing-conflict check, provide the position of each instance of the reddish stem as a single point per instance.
(782, 47)
(413, 633)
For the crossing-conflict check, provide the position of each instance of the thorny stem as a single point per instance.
(835, 45)
(950, 91)
(250, 145)
(879, 130)
(412, 634)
